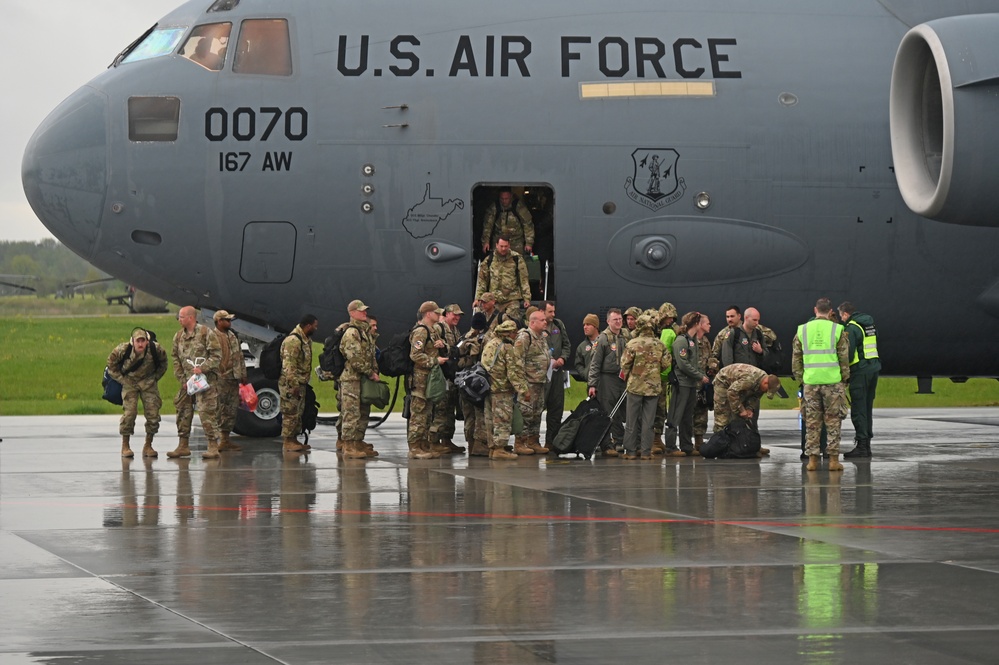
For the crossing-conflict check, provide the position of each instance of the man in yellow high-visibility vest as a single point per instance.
(820, 360)
(865, 366)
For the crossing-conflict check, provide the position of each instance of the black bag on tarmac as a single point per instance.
(583, 431)
(739, 440)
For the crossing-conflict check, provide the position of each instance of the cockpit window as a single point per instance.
(223, 5)
(161, 41)
(207, 45)
(263, 48)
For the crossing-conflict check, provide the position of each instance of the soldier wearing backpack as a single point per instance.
(357, 347)
(296, 369)
(424, 344)
(138, 366)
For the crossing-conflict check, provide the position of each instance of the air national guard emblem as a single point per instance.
(654, 182)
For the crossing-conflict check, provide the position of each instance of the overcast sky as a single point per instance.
(53, 47)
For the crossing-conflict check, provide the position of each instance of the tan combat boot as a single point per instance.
(834, 464)
(213, 450)
(369, 449)
(501, 454)
(698, 442)
(225, 444)
(293, 446)
(520, 446)
(421, 450)
(439, 448)
(339, 445)
(126, 451)
(147, 448)
(813, 463)
(354, 450)
(658, 447)
(534, 443)
(182, 449)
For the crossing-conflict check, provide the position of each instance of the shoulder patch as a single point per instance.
(683, 353)
(418, 344)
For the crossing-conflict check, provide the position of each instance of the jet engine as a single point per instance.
(944, 104)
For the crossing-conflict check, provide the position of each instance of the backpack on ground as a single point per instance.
(738, 440)
(473, 383)
(394, 359)
(332, 359)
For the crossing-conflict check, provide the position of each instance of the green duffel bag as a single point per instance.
(517, 422)
(436, 385)
(374, 393)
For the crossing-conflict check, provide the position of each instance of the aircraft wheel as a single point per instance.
(265, 421)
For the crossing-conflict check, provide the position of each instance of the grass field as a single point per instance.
(53, 366)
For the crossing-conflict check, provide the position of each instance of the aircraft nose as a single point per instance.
(65, 169)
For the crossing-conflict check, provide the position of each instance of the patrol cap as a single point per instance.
(488, 295)
(633, 311)
(591, 320)
(430, 306)
(506, 327)
(453, 309)
(139, 333)
(773, 385)
(667, 309)
(222, 314)
(356, 306)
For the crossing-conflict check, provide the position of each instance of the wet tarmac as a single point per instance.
(270, 558)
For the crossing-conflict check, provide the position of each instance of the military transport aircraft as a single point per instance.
(281, 157)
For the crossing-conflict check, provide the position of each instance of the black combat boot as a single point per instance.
(862, 450)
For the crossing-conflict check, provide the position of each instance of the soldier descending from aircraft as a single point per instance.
(504, 274)
(138, 365)
(508, 218)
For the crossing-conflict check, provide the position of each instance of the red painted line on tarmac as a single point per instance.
(501, 516)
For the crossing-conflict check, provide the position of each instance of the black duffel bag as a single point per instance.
(738, 440)
(112, 389)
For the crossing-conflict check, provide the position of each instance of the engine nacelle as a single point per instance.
(944, 110)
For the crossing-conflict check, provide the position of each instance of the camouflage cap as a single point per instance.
(506, 327)
(667, 309)
(139, 333)
(454, 309)
(356, 306)
(222, 314)
(633, 311)
(430, 306)
(488, 295)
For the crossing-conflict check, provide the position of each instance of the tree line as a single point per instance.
(48, 266)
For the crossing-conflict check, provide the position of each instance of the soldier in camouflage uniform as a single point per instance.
(476, 434)
(190, 347)
(229, 372)
(504, 274)
(584, 351)
(138, 366)
(296, 370)
(821, 360)
(631, 321)
(738, 389)
(532, 349)
(494, 317)
(511, 219)
(424, 345)
(700, 421)
(507, 381)
(644, 359)
(445, 413)
(358, 348)
(669, 329)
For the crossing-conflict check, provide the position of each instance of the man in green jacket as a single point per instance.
(865, 365)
